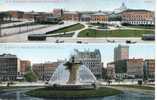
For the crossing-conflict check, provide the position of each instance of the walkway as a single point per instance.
(78, 31)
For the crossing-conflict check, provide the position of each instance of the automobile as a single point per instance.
(111, 41)
(61, 42)
(58, 41)
(79, 41)
(130, 42)
(61, 22)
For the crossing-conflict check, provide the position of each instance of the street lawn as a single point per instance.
(136, 87)
(52, 93)
(114, 33)
(68, 29)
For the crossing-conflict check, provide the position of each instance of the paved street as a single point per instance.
(15, 23)
(23, 36)
(17, 30)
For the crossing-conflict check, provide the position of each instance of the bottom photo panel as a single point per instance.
(77, 71)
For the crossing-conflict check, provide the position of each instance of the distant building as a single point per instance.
(73, 16)
(100, 17)
(135, 68)
(121, 9)
(104, 73)
(85, 17)
(92, 60)
(138, 17)
(121, 53)
(30, 15)
(24, 66)
(130, 68)
(45, 70)
(9, 67)
(16, 15)
(149, 68)
(57, 12)
(111, 70)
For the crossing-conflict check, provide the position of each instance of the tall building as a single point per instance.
(92, 60)
(24, 66)
(9, 67)
(138, 17)
(121, 53)
(45, 70)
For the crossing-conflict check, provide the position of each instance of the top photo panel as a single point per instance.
(77, 21)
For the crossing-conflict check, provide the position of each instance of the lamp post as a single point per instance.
(0, 30)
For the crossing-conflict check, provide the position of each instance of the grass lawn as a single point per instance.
(50, 93)
(142, 27)
(14, 87)
(114, 33)
(136, 87)
(68, 29)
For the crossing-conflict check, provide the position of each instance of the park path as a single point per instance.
(78, 31)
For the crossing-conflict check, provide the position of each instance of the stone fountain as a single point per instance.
(72, 75)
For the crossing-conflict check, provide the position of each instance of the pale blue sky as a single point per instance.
(79, 5)
(51, 52)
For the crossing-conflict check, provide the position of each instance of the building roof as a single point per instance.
(85, 16)
(100, 14)
(136, 10)
(8, 56)
(71, 12)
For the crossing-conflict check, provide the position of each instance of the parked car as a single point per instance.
(58, 41)
(79, 41)
(111, 41)
(61, 22)
(130, 42)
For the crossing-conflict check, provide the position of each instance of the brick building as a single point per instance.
(99, 17)
(73, 16)
(138, 17)
(45, 70)
(24, 66)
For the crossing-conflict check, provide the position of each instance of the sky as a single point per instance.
(74, 5)
(40, 53)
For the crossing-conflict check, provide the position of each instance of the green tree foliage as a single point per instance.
(30, 76)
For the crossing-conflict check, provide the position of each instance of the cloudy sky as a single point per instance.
(39, 53)
(75, 5)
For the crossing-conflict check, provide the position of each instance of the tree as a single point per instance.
(30, 76)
